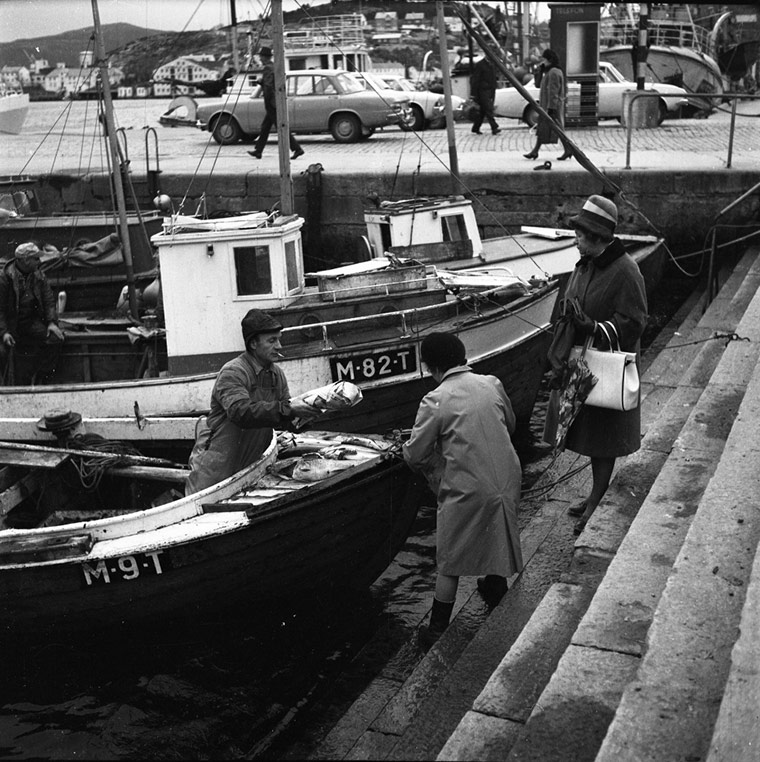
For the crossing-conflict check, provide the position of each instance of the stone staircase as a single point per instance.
(640, 644)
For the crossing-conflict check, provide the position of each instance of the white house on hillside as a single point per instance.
(14, 77)
(186, 69)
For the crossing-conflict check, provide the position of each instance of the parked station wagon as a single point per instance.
(319, 100)
(612, 84)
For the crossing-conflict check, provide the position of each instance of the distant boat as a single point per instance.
(680, 52)
(14, 106)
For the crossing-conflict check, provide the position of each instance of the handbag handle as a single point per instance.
(614, 347)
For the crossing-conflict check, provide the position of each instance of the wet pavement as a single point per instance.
(60, 137)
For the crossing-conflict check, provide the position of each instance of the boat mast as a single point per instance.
(116, 164)
(281, 102)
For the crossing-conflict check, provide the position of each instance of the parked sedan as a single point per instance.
(612, 84)
(319, 100)
(428, 108)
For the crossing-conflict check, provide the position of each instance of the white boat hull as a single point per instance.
(13, 110)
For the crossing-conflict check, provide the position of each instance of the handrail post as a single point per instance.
(629, 131)
(731, 131)
(710, 293)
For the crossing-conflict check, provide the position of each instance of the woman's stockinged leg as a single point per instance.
(534, 153)
(602, 469)
(446, 587)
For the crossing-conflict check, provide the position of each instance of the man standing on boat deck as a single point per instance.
(28, 319)
(270, 107)
(250, 397)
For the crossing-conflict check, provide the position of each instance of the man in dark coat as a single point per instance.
(270, 107)
(250, 397)
(483, 89)
(29, 329)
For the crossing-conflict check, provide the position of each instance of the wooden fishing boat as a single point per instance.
(444, 231)
(316, 510)
(361, 323)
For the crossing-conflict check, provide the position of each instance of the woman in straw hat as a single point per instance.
(609, 289)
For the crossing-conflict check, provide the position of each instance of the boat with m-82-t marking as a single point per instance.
(319, 101)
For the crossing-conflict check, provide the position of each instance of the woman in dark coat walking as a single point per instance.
(610, 290)
(552, 97)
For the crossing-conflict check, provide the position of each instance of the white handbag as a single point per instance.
(617, 385)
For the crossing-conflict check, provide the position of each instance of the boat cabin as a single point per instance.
(442, 228)
(214, 270)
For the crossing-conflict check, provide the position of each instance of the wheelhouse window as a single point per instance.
(291, 263)
(454, 227)
(253, 273)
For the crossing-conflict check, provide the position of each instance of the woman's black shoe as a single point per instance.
(565, 156)
(530, 155)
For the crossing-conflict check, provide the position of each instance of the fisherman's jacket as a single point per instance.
(11, 287)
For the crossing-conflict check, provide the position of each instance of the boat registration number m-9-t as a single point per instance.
(371, 366)
(123, 569)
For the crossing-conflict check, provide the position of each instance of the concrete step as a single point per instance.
(416, 702)
(640, 555)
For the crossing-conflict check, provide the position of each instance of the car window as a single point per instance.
(324, 86)
(392, 84)
(349, 84)
(301, 85)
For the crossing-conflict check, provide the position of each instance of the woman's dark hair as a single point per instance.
(442, 351)
(551, 57)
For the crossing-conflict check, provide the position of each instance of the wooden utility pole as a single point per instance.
(443, 51)
(281, 101)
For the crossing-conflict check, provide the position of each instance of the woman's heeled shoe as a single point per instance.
(530, 155)
(564, 156)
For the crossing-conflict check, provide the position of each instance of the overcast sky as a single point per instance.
(22, 19)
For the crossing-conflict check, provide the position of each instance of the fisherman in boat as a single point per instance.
(31, 338)
(250, 398)
(461, 442)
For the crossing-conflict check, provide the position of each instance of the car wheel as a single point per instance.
(346, 128)
(530, 116)
(418, 118)
(226, 130)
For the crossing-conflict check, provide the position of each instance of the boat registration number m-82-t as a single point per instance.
(123, 569)
(371, 366)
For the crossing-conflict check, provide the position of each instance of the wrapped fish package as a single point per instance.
(335, 396)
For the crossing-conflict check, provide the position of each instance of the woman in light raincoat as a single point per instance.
(461, 443)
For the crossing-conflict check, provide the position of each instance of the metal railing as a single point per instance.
(734, 97)
(712, 274)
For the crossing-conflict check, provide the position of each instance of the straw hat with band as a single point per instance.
(598, 216)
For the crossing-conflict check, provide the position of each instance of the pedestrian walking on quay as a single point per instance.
(461, 442)
(270, 108)
(483, 90)
(609, 289)
(552, 96)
